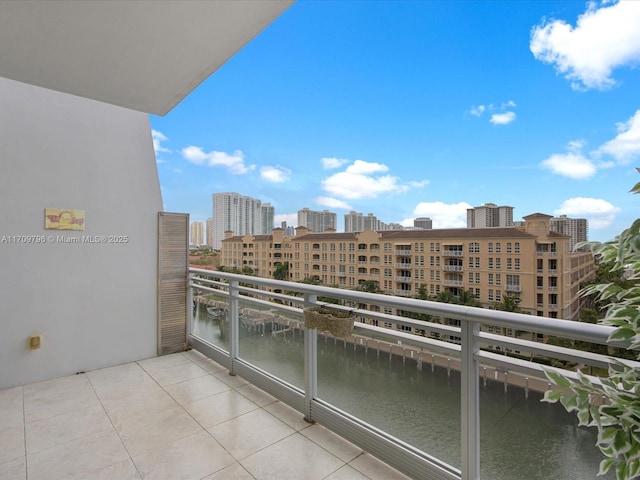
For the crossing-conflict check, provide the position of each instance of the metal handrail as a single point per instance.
(469, 353)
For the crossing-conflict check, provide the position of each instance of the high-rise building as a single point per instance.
(533, 264)
(209, 232)
(237, 213)
(489, 215)
(317, 221)
(267, 212)
(197, 234)
(425, 223)
(576, 228)
(353, 222)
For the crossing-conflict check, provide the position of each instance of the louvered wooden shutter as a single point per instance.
(173, 276)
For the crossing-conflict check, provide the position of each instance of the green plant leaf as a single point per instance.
(605, 466)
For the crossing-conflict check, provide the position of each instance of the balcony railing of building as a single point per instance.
(512, 288)
(452, 253)
(235, 293)
(403, 251)
(453, 268)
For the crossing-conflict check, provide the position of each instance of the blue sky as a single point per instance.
(419, 108)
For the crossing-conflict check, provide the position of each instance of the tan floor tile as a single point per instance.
(305, 460)
(11, 406)
(13, 470)
(11, 444)
(156, 431)
(192, 457)
(219, 408)
(196, 389)
(376, 469)
(63, 395)
(124, 470)
(288, 415)
(138, 406)
(178, 373)
(232, 472)
(332, 442)
(249, 433)
(75, 459)
(257, 396)
(347, 473)
(63, 428)
(157, 364)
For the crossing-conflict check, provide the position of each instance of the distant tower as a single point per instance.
(197, 233)
(237, 213)
(317, 221)
(489, 215)
(268, 213)
(425, 223)
(576, 228)
(209, 232)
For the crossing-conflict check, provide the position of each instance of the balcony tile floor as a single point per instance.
(179, 416)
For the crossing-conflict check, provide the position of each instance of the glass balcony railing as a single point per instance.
(431, 388)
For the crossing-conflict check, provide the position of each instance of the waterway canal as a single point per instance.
(521, 438)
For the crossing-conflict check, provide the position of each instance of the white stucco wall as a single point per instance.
(93, 304)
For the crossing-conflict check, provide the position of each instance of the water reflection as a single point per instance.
(520, 438)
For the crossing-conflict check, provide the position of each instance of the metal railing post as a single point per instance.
(190, 312)
(234, 324)
(310, 363)
(470, 396)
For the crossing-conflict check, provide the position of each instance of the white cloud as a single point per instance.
(444, 215)
(275, 174)
(290, 218)
(603, 39)
(502, 118)
(572, 165)
(360, 167)
(477, 111)
(158, 137)
(501, 115)
(329, 163)
(419, 183)
(358, 181)
(234, 163)
(333, 203)
(626, 145)
(599, 213)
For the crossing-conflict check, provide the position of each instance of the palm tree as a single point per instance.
(282, 271)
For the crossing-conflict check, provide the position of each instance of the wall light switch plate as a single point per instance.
(35, 342)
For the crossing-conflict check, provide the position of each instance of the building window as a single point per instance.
(470, 277)
(498, 247)
(498, 296)
(470, 262)
(498, 279)
(517, 247)
(474, 247)
(490, 247)
(477, 278)
(498, 267)
(509, 266)
(490, 296)
(477, 262)
(508, 247)
(517, 264)
(491, 262)
(490, 279)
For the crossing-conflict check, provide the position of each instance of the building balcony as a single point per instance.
(452, 253)
(453, 268)
(513, 288)
(403, 279)
(452, 283)
(407, 266)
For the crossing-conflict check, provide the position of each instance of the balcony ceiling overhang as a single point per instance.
(139, 54)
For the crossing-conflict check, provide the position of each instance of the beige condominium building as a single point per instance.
(530, 263)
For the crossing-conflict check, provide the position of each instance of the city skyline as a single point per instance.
(419, 109)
